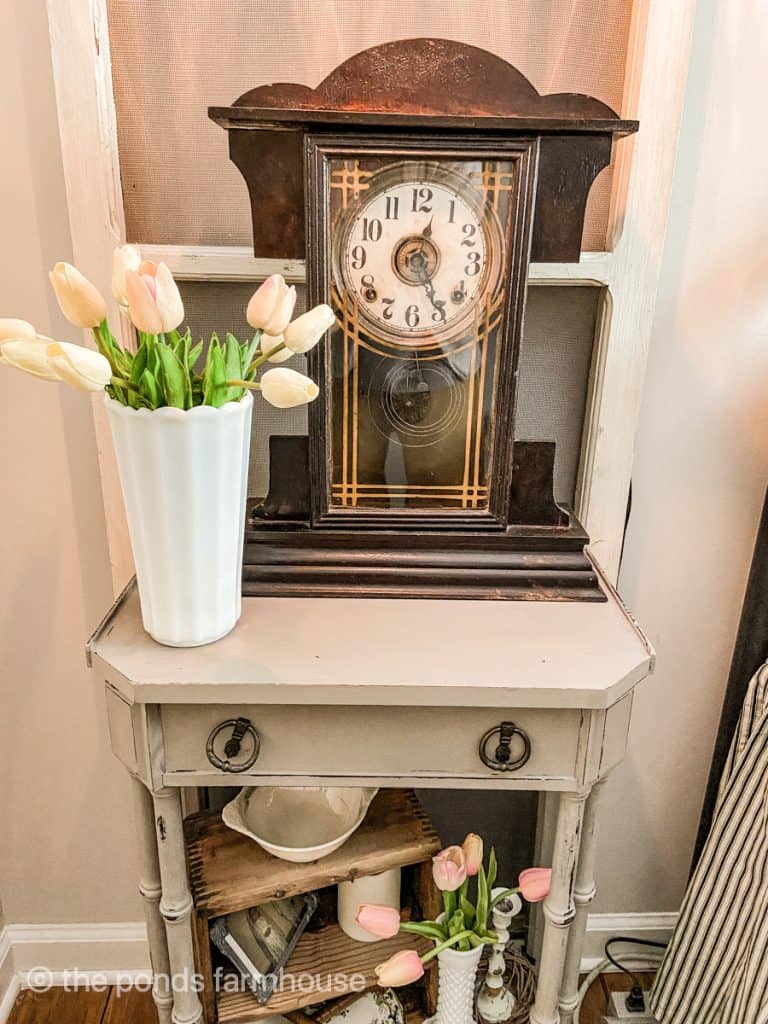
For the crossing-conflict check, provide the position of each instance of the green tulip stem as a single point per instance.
(121, 382)
(252, 385)
(503, 895)
(265, 356)
(454, 940)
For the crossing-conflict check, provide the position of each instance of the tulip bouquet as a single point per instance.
(162, 370)
(463, 925)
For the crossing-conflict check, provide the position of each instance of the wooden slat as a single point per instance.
(132, 1007)
(228, 871)
(59, 1007)
(325, 964)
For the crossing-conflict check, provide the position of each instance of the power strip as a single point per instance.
(619, 1013)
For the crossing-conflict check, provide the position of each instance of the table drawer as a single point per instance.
(369, 741)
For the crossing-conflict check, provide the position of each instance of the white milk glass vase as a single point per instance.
(184, 477)
(456, 986)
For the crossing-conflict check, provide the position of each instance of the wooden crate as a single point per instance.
(229, 872)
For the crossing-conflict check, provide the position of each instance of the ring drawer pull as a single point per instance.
(225, 760)
(501, 760)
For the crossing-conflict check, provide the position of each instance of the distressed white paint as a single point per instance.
(237, 263)
(82, 73)
(657, 73)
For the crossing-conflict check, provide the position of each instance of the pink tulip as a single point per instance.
(383, 922)
(271, 305)
(473, 853)
(449, 868)
(154, 302)
(534, 883)
(401, 969)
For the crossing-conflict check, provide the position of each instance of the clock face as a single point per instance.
(417, 252)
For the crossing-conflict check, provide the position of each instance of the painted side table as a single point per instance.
(487, 695)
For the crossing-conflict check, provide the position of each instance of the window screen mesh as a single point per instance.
(555, 360)
(173, 58)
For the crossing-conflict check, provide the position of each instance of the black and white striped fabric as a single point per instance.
(715, 970)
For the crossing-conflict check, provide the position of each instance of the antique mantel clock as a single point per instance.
(418, 180)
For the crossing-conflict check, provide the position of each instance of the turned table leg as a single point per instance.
(584, 893)
(149, 887)
(176, 905)
(558, 909)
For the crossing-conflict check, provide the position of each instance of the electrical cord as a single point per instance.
(643, 959)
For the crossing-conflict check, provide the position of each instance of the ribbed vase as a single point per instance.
(456, 986)
(184, 476)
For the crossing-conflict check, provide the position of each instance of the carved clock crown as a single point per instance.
(425, 85)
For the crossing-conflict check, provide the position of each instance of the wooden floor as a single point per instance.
(82, 1007)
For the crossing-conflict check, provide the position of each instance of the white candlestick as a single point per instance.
(495, 1002)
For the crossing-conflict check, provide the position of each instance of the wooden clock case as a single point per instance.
(420, 92)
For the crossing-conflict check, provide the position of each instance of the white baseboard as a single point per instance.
(601, 927)
(116, 952)
(110, 953)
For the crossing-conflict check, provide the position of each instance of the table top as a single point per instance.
(386, 652)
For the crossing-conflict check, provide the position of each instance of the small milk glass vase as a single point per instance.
(457, 972)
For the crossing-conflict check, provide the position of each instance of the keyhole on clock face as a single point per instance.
(411, 396)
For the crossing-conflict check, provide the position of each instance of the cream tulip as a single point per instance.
(15, 329)
(80, 301)
(285, 388)
(271, 305)
(124, 258)
(271, 341)
(307, 329)
(81, 368)
(30, 355)
(154, 301)
(12, 329)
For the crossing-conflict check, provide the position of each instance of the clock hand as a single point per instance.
(427, 232)
(429, 288)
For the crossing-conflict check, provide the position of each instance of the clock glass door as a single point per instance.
(415, 255)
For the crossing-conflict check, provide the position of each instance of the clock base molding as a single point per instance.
(274, 567)
(540, 555)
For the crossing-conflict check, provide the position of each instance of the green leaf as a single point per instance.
(216, 393)
(247, 351)
(482, 900)
(185, 343)
(430, 929)
(172, 376)
(194, 354)
(468, 910)
(139, 364)
(492, 869)
(150, 390)
(232, 366)
(449, 903)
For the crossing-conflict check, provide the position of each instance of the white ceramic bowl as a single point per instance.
(301, 823)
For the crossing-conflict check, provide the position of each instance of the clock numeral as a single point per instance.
(369, 289)
(452, 210)
(371, 229)
(469, 230)
(422, 198)
(392, 211)
(358, 257)
(412, 317)
(473, 267)
(388, 304)
(438, 314)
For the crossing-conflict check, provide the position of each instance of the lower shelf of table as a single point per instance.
(324, 965)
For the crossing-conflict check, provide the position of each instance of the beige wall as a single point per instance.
(701, 459)
(66, 853)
